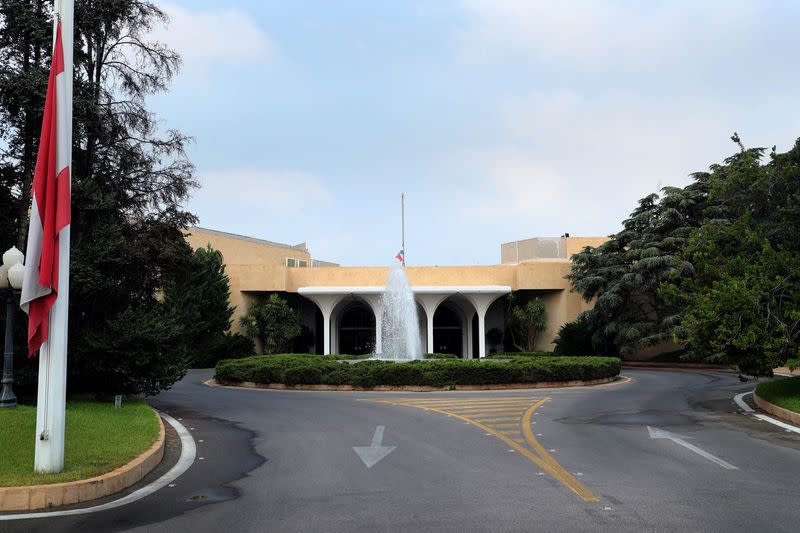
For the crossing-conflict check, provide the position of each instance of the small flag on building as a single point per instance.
(401, 256)
(50, 212)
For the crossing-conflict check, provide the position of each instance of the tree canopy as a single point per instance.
(273, 322)
(712, 266)
(130, 179)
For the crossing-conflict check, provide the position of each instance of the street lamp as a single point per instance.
(12, 273)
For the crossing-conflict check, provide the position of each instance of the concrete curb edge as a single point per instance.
(780, 412)
(411, 388)
(34, 497)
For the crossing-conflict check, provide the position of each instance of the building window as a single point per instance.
(292, 262)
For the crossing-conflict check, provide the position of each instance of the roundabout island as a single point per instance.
(438, 372)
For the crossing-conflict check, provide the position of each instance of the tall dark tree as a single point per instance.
(25, 39)
(743, 301)
(623, 275)
(130, 180)
(202, 298)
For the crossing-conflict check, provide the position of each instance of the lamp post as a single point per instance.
(12, 273)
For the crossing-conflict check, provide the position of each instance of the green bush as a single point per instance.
(793, 364)
(310, 369)
(511, 355)
(227, 346)
(440, 356)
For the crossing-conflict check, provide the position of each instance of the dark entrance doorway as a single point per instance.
(447, 331)
(357, 330)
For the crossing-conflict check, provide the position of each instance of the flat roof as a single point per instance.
(301, 246)
(419, 289)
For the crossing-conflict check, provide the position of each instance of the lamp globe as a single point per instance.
(12, 257)
(16, 274)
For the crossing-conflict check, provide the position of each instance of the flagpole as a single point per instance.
(403, 225)
(51, 398)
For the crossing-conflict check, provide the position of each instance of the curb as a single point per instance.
(33, 497)
(677, 366)
(412, 388)
(780, 412)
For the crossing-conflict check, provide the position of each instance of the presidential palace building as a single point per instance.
(456, 305)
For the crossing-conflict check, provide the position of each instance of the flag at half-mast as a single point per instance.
(401, 256)
(50, 211)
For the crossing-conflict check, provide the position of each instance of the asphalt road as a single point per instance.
(572, 459)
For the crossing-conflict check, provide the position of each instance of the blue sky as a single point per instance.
(499, 119)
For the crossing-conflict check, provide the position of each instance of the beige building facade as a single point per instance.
(457, 305)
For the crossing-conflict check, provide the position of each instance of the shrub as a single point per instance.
(310, 369)
(511, 355)
(440, 356)
(793, 364)
(227, 346)
(578, 338)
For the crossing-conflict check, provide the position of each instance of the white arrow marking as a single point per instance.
(656, 433)
(374, 452)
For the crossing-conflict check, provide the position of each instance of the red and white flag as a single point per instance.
(50, 212)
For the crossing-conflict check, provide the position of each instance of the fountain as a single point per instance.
(400, 338)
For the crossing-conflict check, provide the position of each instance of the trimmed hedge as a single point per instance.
(511, 355)
(317, 370)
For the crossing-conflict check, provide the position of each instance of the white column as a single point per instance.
(429, 330)
(430, 302)
(326, 304)
(468, 330)
(482, 333)
(482, 301)
(326, 332)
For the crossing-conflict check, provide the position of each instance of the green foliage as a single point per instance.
(273, 322)
(623, 275)
(781, 392)
(227, 346)
(578, 338)
(793, 364)
(440, 356)
(511, 355)
(525, 322)
(202, 296)
(495, 337)
(743, 297)
(311, 370)
(130, 179)
(200, 301)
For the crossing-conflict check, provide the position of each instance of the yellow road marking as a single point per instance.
(501, 419)
(558, 471)
(505, 425)
(541, 458)
(460, 402)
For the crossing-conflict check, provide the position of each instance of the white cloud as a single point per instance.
(511, 183)
(205, 39)
(603, 33)
(248, 189)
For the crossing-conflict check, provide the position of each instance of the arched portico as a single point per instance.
(355, 328)
(467, 301)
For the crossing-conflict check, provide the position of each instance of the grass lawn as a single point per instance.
(99, 438)
(782, 392)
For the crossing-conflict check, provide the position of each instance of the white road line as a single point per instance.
(740, 402)
(739, 399)
(656, 433)
(188, 453)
